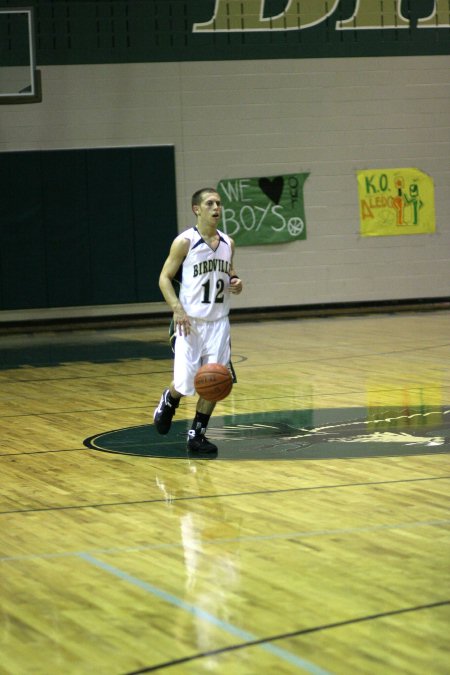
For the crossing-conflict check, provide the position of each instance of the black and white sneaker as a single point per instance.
(199, 443)
(163, 414)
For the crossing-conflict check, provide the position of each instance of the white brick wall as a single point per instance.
(329, 117)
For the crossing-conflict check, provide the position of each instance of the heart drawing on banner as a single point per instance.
(273, 188)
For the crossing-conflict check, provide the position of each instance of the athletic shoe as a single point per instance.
(164, 412)
(199, 443)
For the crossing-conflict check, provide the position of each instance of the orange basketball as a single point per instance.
(213, 382)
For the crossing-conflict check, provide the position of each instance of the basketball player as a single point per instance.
(200, 312)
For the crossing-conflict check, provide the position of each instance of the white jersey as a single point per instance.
(205, 281)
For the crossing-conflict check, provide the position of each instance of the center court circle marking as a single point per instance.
(336, 433)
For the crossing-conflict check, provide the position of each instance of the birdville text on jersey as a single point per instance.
(216, 265)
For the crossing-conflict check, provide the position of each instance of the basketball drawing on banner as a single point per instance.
(266, 210)
(396, 201)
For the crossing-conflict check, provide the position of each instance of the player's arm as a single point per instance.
(178, 252)
(235, 280)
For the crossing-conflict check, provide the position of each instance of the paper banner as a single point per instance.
(395, 201)
(266, 210)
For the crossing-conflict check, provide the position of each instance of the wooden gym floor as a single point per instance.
(316, 541)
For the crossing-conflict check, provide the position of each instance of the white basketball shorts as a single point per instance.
(208, 342)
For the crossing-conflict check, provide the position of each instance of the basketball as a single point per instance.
(213, 382)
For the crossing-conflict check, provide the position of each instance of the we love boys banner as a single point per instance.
(266, 210)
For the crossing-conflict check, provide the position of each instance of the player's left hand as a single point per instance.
(236, 286)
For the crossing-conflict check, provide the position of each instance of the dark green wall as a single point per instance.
(85, 227)
(124, 31)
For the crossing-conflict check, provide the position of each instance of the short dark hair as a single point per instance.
(197, 196)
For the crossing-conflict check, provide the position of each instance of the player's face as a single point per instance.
(209, 209)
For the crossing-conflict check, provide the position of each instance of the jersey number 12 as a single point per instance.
(220, 285)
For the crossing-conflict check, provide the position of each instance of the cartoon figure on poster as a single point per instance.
(396, 201)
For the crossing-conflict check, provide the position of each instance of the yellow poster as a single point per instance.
(395, 201)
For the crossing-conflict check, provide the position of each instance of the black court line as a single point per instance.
(85, 377)
(222, 495)
(41, 452)
(285, 636)
(149, 407)
(76, 412)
